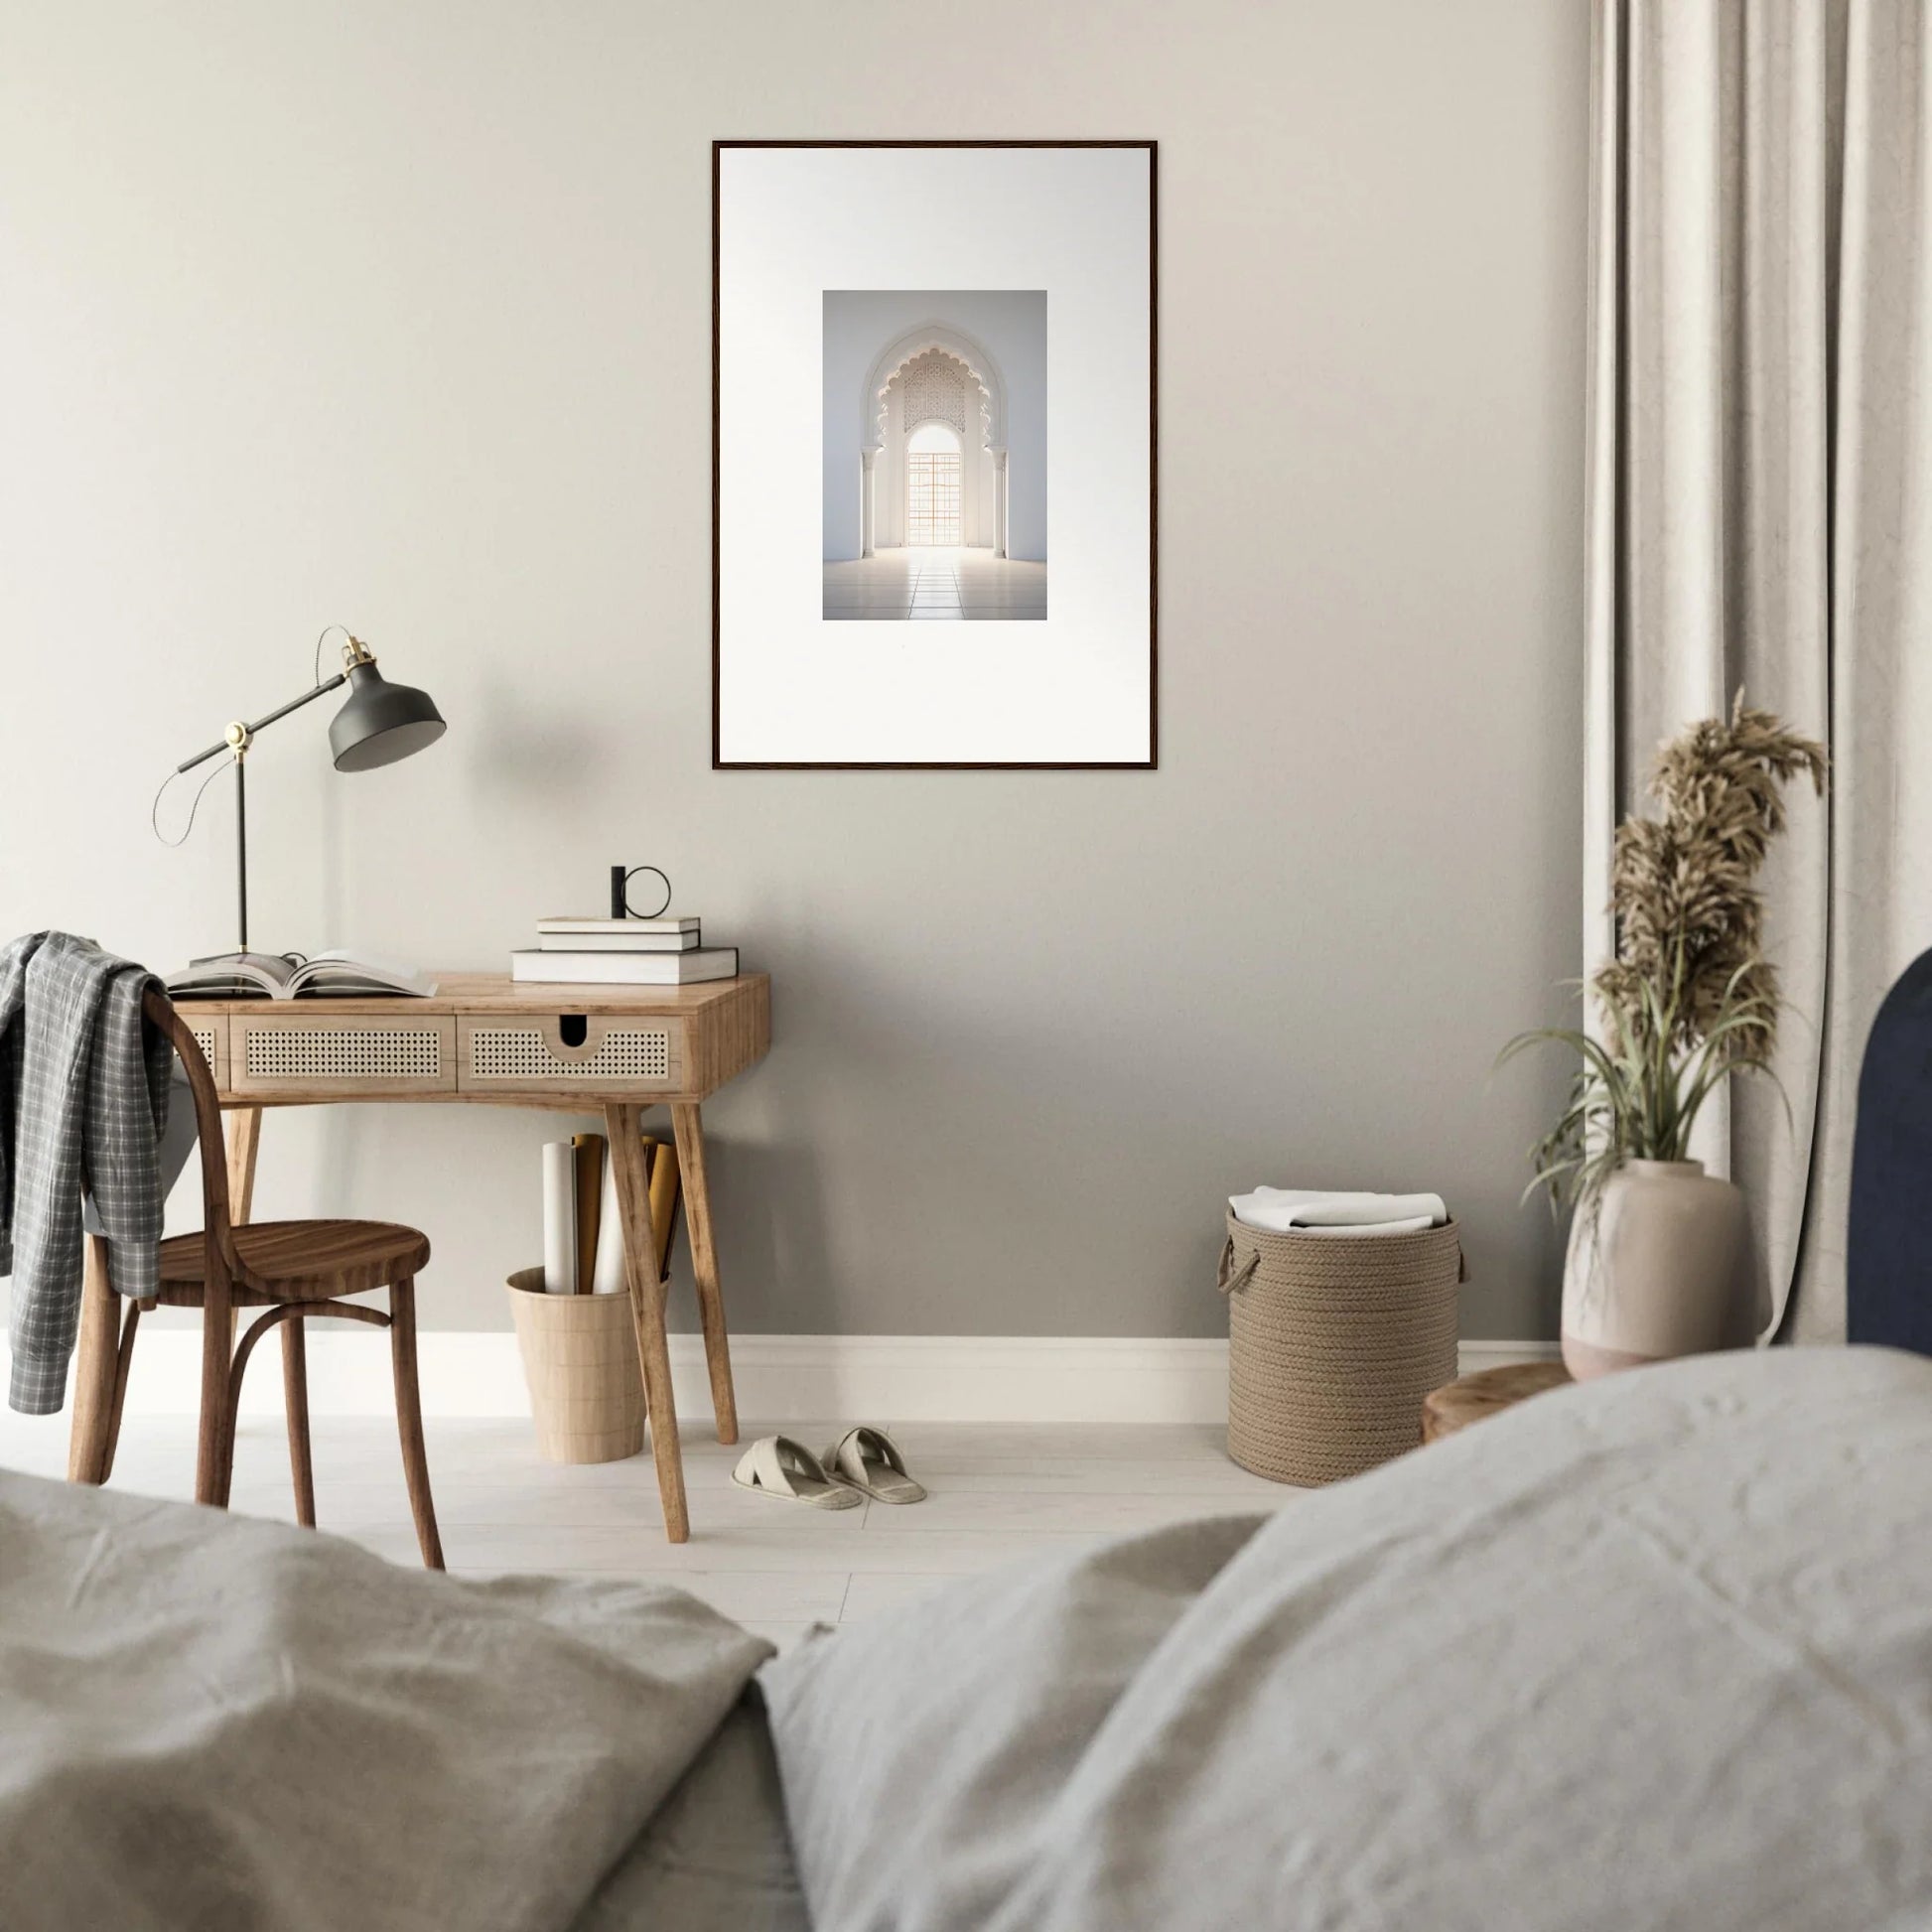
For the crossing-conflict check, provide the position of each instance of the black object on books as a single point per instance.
(621, 879)
(536, 966)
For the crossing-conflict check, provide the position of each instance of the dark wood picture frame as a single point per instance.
(1151, 761)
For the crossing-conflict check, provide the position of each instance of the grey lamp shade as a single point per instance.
(382, 722)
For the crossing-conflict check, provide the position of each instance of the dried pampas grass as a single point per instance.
(1690, 996)
(1689, 918)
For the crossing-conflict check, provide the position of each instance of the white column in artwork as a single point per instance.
(864, 501)
(999, 503)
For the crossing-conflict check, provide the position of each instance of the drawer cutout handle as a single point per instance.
(572, 1028)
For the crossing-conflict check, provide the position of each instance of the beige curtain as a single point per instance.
(1759, 501)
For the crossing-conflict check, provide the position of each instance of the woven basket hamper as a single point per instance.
(1333, 1340)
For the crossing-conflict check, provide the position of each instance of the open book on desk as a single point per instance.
(289, 976)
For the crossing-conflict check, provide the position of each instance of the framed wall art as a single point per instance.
(933, 451)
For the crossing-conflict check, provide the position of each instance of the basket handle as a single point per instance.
(1229, 1279)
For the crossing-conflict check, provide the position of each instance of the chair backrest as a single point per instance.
(217, 1229)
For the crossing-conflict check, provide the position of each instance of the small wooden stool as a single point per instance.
(1486, 1393)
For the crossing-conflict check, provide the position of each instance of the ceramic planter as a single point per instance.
(1656, 1268)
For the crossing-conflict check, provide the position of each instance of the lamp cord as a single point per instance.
(154, 810)
(316, 675)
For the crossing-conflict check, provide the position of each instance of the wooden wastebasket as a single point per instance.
(579, 1360)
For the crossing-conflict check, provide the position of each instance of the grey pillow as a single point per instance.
(921, 1752)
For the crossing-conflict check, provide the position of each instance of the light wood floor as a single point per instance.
(999, 1493)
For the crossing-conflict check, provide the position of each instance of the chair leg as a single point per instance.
(214, 1448)
(95, 1369)
(409, 1417)
(295, 1399)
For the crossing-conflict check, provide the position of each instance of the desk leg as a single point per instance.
(623, 1126)
(244, 1135)
(245, 1126)
(689, 1129)
(95, 1365)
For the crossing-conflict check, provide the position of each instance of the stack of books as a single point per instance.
(623, 952)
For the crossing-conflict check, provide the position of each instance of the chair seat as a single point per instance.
(303, 1261)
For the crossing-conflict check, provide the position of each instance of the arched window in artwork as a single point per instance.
(933, 373)
(932, 483)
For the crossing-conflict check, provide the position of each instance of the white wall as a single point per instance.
(1011, 324)
(400, 314)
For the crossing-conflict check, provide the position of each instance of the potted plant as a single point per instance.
(1657, 1263)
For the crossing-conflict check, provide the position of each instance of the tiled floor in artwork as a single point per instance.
(931, 583)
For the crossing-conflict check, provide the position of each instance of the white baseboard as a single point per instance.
(778, 1378)
(1475, 1355)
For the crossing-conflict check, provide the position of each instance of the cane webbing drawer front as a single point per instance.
(313, 1051)
(210, 1031)
(502, 1053)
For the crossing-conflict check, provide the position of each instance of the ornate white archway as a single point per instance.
(933, 388)
(991, 384)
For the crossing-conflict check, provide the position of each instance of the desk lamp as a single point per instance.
(379, 724)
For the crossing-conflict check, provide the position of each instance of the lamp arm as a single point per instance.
(249, 731)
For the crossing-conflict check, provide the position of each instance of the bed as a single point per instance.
(1656, 1651)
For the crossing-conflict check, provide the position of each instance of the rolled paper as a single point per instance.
(606, 1278)
(664, 1184)
(559, 1219)
(588, 1153)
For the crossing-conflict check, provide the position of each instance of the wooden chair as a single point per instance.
(293, 1270)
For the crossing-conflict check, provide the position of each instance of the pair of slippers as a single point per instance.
(863, 1462)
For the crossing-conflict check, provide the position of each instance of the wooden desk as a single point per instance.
(483, 1042)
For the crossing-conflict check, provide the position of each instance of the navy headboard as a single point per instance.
(1888, 1244)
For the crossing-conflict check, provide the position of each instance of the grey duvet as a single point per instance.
(215, 1723)
(1653, 1653)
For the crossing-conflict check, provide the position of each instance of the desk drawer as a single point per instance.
(210, 1031)
(560, 1050)
(311, 1051)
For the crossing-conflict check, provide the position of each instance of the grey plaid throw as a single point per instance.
(81, 1094)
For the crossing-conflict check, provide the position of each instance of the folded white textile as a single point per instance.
(1315, 1212)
